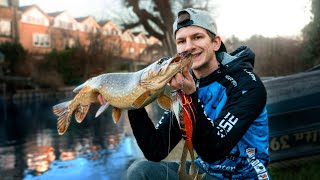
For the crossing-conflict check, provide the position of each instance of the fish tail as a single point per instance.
(62, 110)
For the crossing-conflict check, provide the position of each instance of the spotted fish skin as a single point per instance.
(122, 91)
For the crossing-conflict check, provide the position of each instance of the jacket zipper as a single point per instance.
(197, 82)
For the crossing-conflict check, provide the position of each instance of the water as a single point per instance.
(30, 147)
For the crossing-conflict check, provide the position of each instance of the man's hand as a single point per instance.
(184, 81)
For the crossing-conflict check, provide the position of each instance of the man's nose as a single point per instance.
(189, 46)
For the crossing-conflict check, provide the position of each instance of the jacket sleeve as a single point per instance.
(154, 141)
(213, 140)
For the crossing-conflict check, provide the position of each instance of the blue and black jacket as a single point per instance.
(231, 131)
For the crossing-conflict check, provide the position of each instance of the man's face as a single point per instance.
(197, 41)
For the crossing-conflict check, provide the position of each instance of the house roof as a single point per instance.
(81, 19)
(54, 14)
(28, 7)
(103, 22)
(24, 8)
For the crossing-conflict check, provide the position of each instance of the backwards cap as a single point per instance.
(196, 17)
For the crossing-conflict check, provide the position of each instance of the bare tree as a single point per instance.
(158, 17)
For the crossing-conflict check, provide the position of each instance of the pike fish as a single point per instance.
(122, 91)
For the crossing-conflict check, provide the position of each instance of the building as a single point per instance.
(112, 34)
(8, 20)
(34, 29)
(40, 32)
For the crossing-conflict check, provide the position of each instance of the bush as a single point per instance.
(14, 54)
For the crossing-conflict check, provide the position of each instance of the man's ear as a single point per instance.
(216, 43)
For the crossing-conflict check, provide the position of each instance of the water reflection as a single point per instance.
(30, 147)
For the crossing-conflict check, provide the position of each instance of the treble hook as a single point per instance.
(186, 100)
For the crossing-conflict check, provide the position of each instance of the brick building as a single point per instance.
(8, 20)
(40, 32)
(34, 29)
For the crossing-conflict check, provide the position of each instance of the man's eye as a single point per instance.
(180, 42)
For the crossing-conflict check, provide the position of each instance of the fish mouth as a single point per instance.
(180, 56)
(185, 54)
(176, 61)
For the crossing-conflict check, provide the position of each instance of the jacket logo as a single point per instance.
(226, 124)
(250, 74)
(231, 80)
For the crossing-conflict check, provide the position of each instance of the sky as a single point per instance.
(269, 18)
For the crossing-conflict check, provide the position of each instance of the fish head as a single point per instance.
(159, 73)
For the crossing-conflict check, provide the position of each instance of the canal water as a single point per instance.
(30, 147)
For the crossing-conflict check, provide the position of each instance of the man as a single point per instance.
(230, 135)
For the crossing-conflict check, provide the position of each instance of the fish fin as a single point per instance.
(80, 87)
(116, 113)
(77, 89)
(141, 99)
(81, 112)
(165, 102)
(63, 123)
(62, 111)
(61, 108)
(102, 109)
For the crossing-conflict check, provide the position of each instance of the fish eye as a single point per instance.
(162, 60)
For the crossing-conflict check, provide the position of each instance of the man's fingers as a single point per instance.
(179, 76)
(173, 82)
(186, 70)
(176, 81)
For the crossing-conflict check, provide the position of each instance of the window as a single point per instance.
(114, 32)
(65, 25)
(5, 27)
(41, 40)
(35, 20)
(131, 50)
(69, 43)
(69, 25)
(127, 37)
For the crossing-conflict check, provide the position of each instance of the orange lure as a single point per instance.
(186, 126)
(184, 111)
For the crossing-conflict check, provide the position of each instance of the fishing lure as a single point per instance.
(184, 110)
